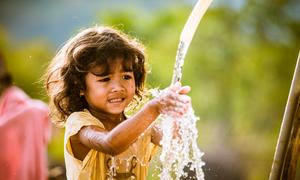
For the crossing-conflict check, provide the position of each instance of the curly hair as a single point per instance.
(65, 77)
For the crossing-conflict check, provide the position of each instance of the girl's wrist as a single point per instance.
(154, 106)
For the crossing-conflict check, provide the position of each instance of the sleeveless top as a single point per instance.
(131, 164)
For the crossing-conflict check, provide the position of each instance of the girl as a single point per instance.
(91, 80)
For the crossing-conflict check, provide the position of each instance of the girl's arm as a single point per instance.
(173, 101)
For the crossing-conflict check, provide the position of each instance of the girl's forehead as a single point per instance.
(116, 65)
(97, 69)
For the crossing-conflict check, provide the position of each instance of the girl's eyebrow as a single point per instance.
(128, 70)
(100, 74)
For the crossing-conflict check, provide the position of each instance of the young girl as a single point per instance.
(92, 79)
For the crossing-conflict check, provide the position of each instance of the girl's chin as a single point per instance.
(116, 111)
(111, 111)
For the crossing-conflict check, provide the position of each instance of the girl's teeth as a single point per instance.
(115, 100)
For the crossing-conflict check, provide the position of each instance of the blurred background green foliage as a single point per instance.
(239, 65)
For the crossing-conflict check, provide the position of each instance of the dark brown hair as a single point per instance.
(65, 77)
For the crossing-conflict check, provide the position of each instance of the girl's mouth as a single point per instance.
(116, 100)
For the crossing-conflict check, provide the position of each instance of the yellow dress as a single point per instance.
(131, 164)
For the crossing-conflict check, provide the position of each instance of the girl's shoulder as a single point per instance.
(83, 118)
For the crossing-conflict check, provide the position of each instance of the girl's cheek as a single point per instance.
(132, 85)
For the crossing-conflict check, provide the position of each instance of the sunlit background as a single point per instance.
(240, 65)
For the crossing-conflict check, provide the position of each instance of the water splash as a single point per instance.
(180, 152)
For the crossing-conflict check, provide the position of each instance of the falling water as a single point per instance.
(180, 152)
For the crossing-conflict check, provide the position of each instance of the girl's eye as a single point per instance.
(104, 79)
(127, 77)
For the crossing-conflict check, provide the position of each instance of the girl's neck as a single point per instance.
(109, 120)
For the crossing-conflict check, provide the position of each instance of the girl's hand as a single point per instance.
(173, 100)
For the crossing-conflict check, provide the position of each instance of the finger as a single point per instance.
(183, 107)
(174, 112)
(171, 97)
(184, 99)
(178, 114)
(184, 90)
(183, 110)
(177, 103)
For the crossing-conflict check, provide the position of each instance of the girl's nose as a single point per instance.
(117, 86)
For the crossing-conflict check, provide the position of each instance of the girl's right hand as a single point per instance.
(173, 100)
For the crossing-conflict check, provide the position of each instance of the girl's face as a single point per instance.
(109, 93)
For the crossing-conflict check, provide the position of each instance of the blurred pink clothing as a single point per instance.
(24, 133)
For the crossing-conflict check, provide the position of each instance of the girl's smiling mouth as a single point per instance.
(116, 100)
